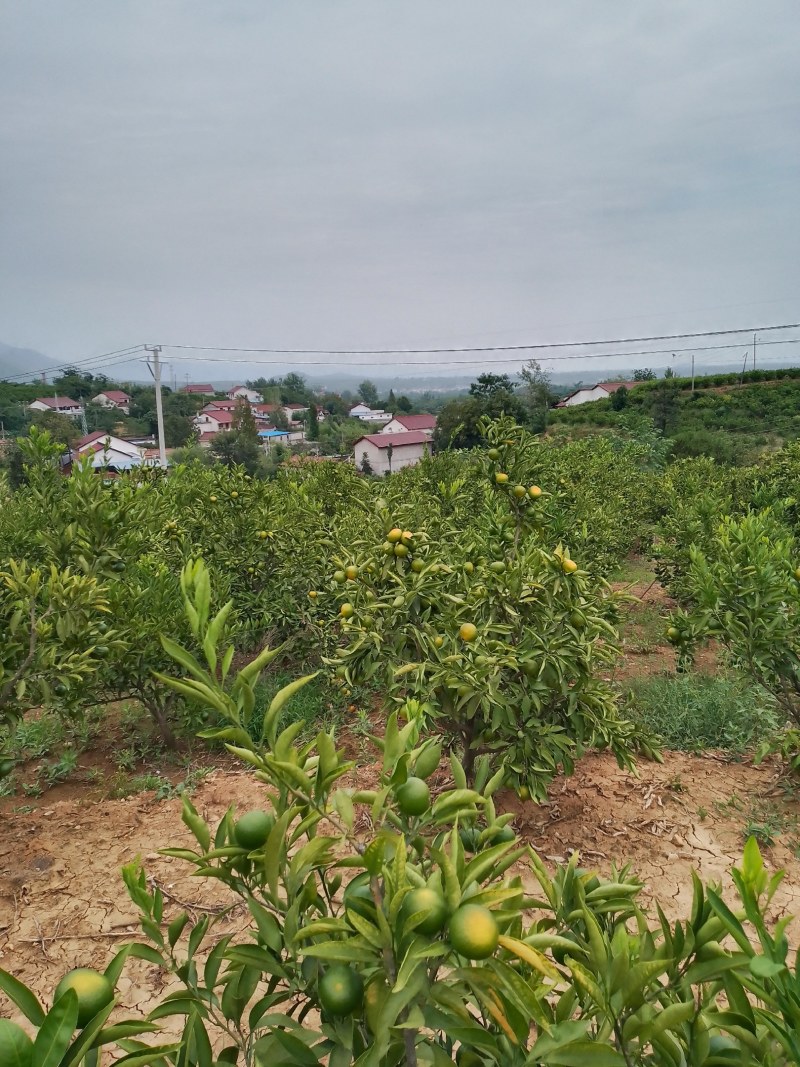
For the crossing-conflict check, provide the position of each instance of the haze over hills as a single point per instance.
(14, 361)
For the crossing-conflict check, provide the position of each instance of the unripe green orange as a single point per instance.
(94, 992)
(520, 492)
(341, 990)
(425, 899)
(473, 932)
(413, 796)
(569, 566)
(501, 478)
(351, 572)
(347, 611)
(339, 577)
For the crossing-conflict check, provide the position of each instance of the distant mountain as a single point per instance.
(27, 361)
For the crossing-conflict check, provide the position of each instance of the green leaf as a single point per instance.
(580, 1054)
(87, 1037)
(762, 967)
(22, 997)
(196, 824)
(155, 1055)
(55, 1033)
(16, 1048)
(278, 701)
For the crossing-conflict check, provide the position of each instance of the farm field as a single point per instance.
(541, 661)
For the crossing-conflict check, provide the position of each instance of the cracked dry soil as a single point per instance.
(63, 904)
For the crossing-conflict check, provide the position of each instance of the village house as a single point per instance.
(406, 423)
(199, 390)
(364, 413)
(63, 405)
(113, 398)
(108, 453)
(385, 453)
(593, 392)
(242, 392)
(208, 423)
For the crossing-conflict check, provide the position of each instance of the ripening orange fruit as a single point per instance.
(468, 631)
(394, 535)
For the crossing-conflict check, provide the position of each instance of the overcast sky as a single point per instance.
(372, 174)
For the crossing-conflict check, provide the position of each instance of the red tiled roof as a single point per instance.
(90, 439)
(396, 440)
(198, 389)
(117, 395)
(221, 416)
(220, 405)
(57, 401)
(417, 422)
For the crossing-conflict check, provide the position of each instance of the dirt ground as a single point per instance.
(63, 904)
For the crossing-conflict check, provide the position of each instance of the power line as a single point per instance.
(472, 362)
(125, 355)
(79, 363)
(484, 348)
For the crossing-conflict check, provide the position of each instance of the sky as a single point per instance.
(368, 174)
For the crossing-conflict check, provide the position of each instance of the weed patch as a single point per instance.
(694, 712)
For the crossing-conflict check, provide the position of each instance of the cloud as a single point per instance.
(367, 173)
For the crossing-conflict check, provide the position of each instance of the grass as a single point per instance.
(693, 712)
(316, 705)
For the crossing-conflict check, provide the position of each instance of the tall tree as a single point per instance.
(368, 393)
(644, 374)
(294, 389)
(489, 385)
(312, 422)
(537, 394)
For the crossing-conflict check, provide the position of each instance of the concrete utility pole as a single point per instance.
(754, 351)
(155, 369)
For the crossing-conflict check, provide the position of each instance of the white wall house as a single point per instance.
(368, 414)
(406, 423)
(60, 404)
(250, 395)
(209, 423)
(390, 452)
(594, 392)
(110, 452)
(113, 398)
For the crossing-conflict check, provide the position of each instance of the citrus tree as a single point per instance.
(52, 622)
(502, 635)
(744, 590)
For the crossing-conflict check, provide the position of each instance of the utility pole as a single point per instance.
(692, 371)
(155, 369)
(754, 351)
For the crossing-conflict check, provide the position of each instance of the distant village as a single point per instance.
(391, 440)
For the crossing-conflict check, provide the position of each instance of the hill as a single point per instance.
(17, 361)
(726, 416)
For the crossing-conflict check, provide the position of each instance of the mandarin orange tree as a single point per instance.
(500, 633)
